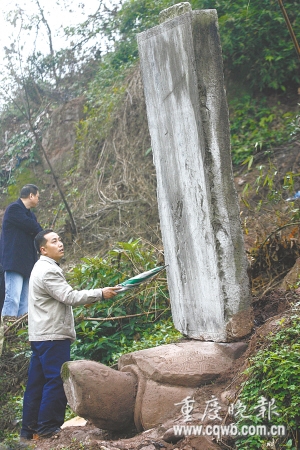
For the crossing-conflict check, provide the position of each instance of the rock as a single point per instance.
(165, 375)
(150, 393)
(170, 436)
(75, 422)
(173, 372)
(208, 283)
(240, 324)
(100, 394)
(188, 364)
(90, 435)
(228, 397)
(147, 447)
(153, 433)
(174, 11)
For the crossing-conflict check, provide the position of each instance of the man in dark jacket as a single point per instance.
(17, 252)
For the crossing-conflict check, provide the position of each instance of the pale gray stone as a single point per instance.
(181, 63)
(174, 11)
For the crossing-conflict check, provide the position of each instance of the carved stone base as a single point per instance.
(100, 394)
(149, 385)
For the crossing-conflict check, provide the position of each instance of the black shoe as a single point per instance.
(50, 434)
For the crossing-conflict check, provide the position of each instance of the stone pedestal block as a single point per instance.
(169, 373)
(100, 394)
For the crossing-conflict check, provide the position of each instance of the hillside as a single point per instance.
(111, 190)
(90, 121)
(105, 214)
(110, 185)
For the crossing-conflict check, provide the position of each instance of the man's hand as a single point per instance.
(109, 292)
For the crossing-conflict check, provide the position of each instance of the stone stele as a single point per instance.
(182, 70)
(149, 384)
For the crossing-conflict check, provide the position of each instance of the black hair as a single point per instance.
(28, 189)
(40, 241)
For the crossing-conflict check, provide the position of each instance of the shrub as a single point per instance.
(132, 320)
(274, 376)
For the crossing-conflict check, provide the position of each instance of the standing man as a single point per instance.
(51, 331)
(17, 252)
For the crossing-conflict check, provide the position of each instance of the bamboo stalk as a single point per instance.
(129, 316)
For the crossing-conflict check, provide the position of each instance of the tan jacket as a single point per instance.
(50, 301)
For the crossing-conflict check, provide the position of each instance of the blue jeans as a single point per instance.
(16, 294)
(45, 401)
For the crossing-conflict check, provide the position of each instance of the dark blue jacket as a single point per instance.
(19, 228)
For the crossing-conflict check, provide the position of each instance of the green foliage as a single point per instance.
(19, 143)
(14, 363)
(133, 17)
(250, 53)
(162, 332)
(257, 127)
(103, 95)
(11, 413)
(274, 374)
(266, 184)
(133, 256)
(257, 47)
(11, 410)
(129, 320)
(21, 153)
(269, 188)
(247, 31)
(22, 176)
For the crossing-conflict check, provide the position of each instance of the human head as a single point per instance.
(48, 243)
(28, 189)
(30, 195)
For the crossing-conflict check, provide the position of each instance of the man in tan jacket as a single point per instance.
(51, 331)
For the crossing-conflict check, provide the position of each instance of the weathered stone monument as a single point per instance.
(187, 111)
(181, 63)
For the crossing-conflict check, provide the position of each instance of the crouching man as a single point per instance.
(51, 331)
